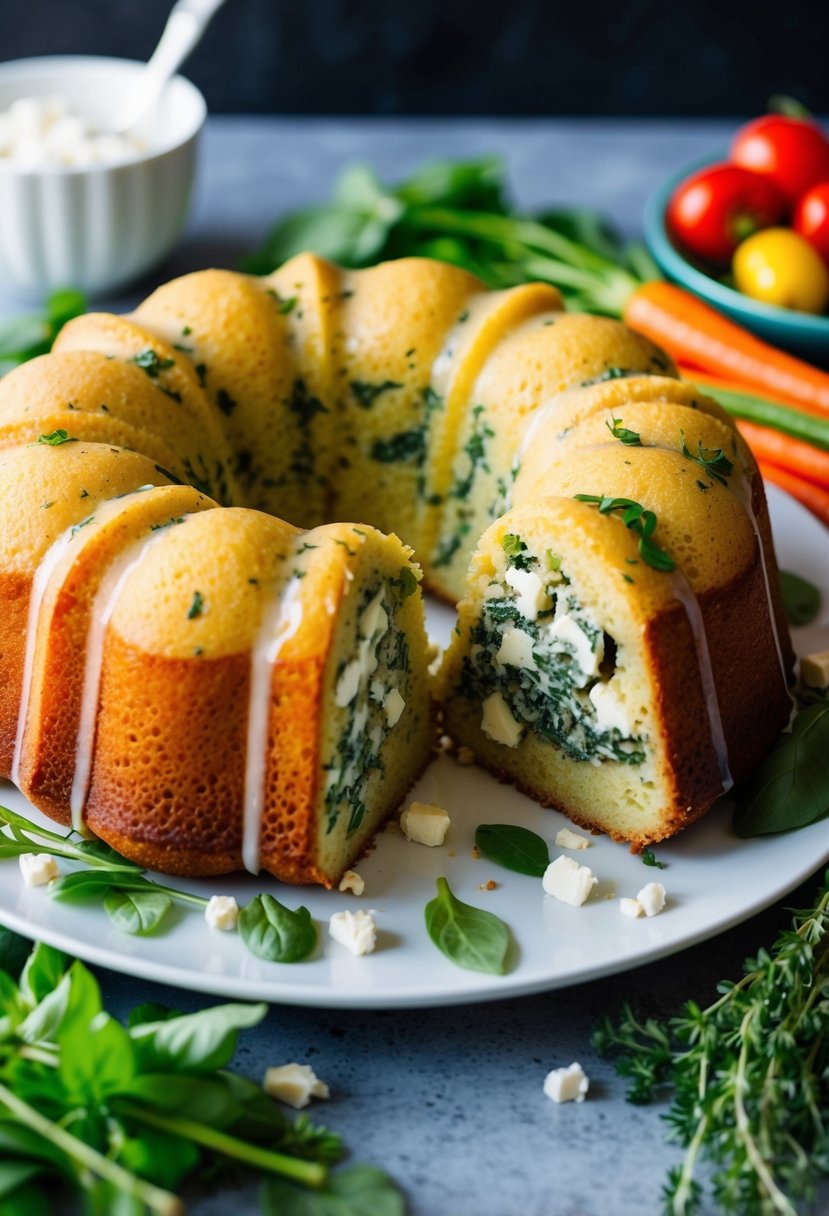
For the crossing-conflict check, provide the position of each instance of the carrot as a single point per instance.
(718, 384)
(695, 333)
(812, 496)
(801, 459)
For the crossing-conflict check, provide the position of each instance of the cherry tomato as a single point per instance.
(714, 209)
(779, 267)
(793, 153)
(811, 218)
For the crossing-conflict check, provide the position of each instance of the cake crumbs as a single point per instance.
(489, 885)
(476, 853)
(465, 755)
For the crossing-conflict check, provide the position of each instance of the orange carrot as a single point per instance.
(697, 334)
(812, 496)
(714, 383)
(783, 452)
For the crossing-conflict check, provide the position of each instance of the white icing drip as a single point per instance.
(682, 591)
(49, 563)
(742, 490)
(280, 620)
(103, 607)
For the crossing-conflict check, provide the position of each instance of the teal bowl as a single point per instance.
(799, 332)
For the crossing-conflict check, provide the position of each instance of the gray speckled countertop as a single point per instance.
(449, 1101)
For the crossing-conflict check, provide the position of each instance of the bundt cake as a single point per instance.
(205, 686)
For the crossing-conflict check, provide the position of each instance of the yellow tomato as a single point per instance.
(779, 267)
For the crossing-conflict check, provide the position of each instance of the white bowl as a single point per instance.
(95, 227)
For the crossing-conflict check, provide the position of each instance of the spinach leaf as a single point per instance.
(276, 933)
(95, 1060)
(513, 847)
(360, 1190)
(790, 788)
(137, 912)
(88, 884)
(195, 1042)
(468, 936)
(801, 599)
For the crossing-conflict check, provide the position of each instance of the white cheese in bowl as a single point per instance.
(36, 131)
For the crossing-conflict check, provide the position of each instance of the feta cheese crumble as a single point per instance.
(423, 823)
(652, 898)
(531, 598)
(631, 907)
(38, 868)
(566, 880)
(222, 913)
(354, 930)
(567, 1084)
(393, 706)
(498, 723)
(567, 839)
(814, 668)
(351, 881)
(294, 1084)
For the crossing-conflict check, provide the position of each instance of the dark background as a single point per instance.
(522, 57)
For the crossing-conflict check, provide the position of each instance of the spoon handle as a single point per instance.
(187, 22)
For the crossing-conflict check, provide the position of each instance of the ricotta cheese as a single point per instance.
(498, 723)
(426, 824)
(610, 712)
(566, 880)
(222, 913)
(354, 930)
(530, 598)
(294, 1084)
(516, 648)
(566, 630)
(38, 868)
(567, 1084)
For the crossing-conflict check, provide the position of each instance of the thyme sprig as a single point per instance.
(640, 521)
(748, 1077)
(712, 460)
(624, 434)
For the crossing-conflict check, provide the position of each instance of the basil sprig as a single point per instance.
(801, 599)
(640, 521)
(468, 936)
(513, 847)
(789, 789)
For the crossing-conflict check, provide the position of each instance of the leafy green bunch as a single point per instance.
(748, 1077)
(458, 212)
(30, 334)
(123, 1115)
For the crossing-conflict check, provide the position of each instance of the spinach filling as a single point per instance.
(379, 666)
(546, 666)
(473, 457)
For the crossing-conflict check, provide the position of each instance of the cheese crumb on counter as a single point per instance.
(38, 868)
(354, 930)
(814, 669)
(222, 913)
(631, 908)
(294, 1084)
(567, 1084)
(351, 881)
(423, 823)
(567, 839)
(652, 898)
(566, 880)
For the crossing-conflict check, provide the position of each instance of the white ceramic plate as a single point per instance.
(713, 880)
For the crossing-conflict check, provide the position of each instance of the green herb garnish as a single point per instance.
(640, 521)
(276, 933)
(513, 847)
(789, 788)
(801, 599)
(54, 439)
(197, 606)
(713, 460)
(631, 439)
(150, 362)
(470, 937)
(649, 859)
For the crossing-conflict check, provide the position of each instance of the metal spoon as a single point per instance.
(187, 22)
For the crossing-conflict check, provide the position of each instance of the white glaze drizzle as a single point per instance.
(683, 592)
(103, 607)
(280, 620)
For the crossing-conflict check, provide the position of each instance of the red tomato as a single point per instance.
(793, 153)
(714, 209)
(811, 218)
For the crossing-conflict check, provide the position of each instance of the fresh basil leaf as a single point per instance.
(359, 1190)
(211, 1096)
(14, 950)
(160, 1155)
(513, 847)
(102, 1198)
(789, 789)
(195, 1042)
(801, 599)
(276, 933)
(468, 936)
(151, 1011)
(44, 970)
(95, 1060)
(476, 184)
(89, 884)
(136, 912)
(47, 1016)
(98, 850)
